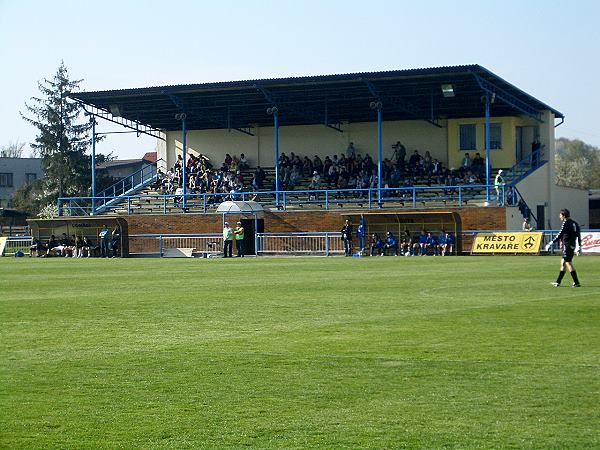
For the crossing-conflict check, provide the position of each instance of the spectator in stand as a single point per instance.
(243, 165)
(399, 154)
(373, 180)
(376, 245)
(391, 243)
(307, 166)
(478, 165)
(466, 163)
(499, 187)
(414, 161)
(448, 246)
(449, 182)
(227, 161)
(235, 162)
(259, 175)
(527, 225)
(536, 149)
(333, 177)
(350, 150)
(317, 165)
(179, 163)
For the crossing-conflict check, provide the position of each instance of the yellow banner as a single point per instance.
(507, 243)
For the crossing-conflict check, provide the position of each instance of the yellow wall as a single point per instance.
(309, 140)
(504, 157)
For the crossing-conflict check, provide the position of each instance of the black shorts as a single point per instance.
(568, 253)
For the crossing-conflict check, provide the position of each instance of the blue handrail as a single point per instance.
(524, 167)
(126, 185)
(408, 196)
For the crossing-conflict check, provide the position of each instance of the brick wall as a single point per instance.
(490, 218)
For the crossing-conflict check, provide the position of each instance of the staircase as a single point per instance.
(126, 186)
(523, 168)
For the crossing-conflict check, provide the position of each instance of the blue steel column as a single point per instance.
(184, 165)
(93, 165)
(488, 162)
(379, 155)
(276, 126)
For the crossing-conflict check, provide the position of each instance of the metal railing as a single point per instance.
(408, 197)
(17, 243)
(524, 167)
(128, 184)
(315, 244)
(159, 244)
(267, 244)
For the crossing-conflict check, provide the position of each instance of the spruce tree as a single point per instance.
(63, 138)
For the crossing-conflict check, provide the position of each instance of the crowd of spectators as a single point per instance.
(203, 178)
(347, 170)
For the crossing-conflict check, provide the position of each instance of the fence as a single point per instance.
(409, 197)
(324, 244)
(15, 244)
(309, 244)
(159, 244)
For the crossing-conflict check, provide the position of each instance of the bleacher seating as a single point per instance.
(427, 194)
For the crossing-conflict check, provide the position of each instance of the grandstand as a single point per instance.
(362, 120)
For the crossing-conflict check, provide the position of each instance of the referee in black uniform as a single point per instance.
(570, 238)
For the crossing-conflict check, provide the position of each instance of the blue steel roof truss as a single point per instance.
(330, 100)
(134, 125)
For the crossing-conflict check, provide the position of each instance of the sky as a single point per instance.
(548, 48)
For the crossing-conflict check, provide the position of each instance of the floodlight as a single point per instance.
(448, 90)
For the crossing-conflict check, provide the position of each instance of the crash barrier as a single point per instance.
(169, 245)
(13, 244)
(408, 197)
(313, 244)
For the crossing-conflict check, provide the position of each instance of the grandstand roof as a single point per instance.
(322, 99)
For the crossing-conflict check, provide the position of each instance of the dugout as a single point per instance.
(251, 216)
(42, 229)
(413, 221)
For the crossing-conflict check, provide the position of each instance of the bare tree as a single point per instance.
(12, 150)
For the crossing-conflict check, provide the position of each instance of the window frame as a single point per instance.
(9, 177)
(461, 147)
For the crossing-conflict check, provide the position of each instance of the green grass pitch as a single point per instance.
(296, 353)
